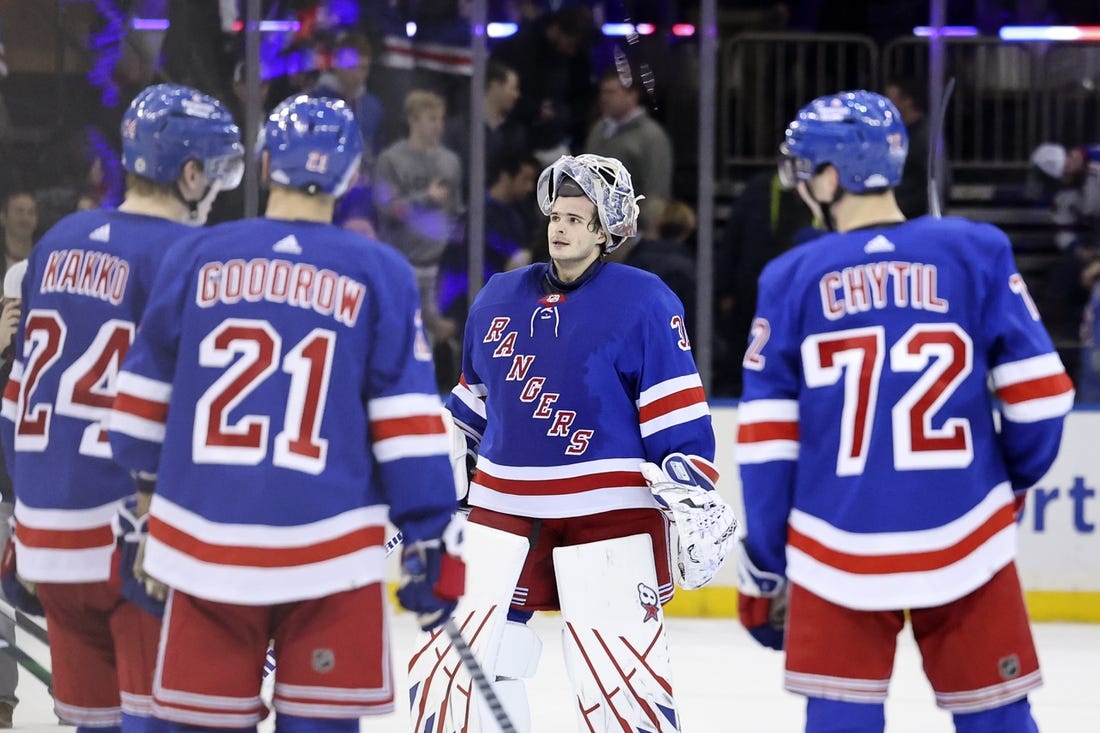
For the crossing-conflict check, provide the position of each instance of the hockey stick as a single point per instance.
(28, 663)
(477, 674)
(933, 144)
(25, 622)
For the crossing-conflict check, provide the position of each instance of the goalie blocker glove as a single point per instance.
(433, 576)
(761, 601)
(705, 526)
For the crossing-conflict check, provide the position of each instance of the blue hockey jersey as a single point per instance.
(86, 285)
(874, 470)
(566, 393)
(281, 387)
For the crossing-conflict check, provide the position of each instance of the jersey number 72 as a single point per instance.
(942, 351)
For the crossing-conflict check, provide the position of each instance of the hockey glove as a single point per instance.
(705, 525)
(761, 601)
(433, 576)
(20, 593)
(131, 531)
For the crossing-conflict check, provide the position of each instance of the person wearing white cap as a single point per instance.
(1077, 204)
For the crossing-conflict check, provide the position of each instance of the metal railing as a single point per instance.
(766, 77)
(1008, 98)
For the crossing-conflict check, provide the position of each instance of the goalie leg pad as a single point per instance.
(441, 693)
(616, 649)
(517, 660)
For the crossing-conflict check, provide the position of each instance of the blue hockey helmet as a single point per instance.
(314, 143)
(167, 125)
(859, 133)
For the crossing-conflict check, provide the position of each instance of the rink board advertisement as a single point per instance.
(1059, 557)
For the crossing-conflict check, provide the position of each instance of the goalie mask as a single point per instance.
(605, 182)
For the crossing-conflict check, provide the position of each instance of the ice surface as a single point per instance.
(725, 682)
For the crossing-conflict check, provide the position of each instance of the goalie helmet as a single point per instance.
(859, 133)
(167, 125)
(606, 182)
(314, 144)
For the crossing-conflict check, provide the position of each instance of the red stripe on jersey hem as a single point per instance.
(265, 557)
(914, 562)
(550, 487)
(141, 407)
(1035, 389)
(761, 432)
(65, 539)
(399, 427)
(671, 403)
(11, 391)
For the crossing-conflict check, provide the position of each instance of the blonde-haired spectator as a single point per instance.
(417, 182)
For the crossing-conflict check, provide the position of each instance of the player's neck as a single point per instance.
(163, 206)
(856, 212)
(568, 272)
(290, 205)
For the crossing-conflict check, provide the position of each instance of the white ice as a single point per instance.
(725, 682)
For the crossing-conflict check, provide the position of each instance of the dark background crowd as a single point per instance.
(562, 79)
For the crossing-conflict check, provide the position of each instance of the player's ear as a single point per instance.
(191, 178)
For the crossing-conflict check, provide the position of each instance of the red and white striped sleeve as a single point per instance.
(407, 426)
(140, 408)
(767, 430)
(671, 403)
(1033, 389)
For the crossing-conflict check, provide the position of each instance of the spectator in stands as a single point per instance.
(550, 54)
(297, 67)
(501, 131)
(417, 182)
(910, 96)
(508, 233)
(70, 177)
(625, 130)
(765, 222)
(1072, 307)
(18, 222)
(347, 79)
(669, 257)
(1076, 205)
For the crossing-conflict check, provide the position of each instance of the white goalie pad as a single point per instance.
(442, 696)
(705, 525)
(616, 649)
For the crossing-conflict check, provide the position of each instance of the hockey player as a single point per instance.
(877, 481)
(86, 285)
(279, 395)
(580, 399)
